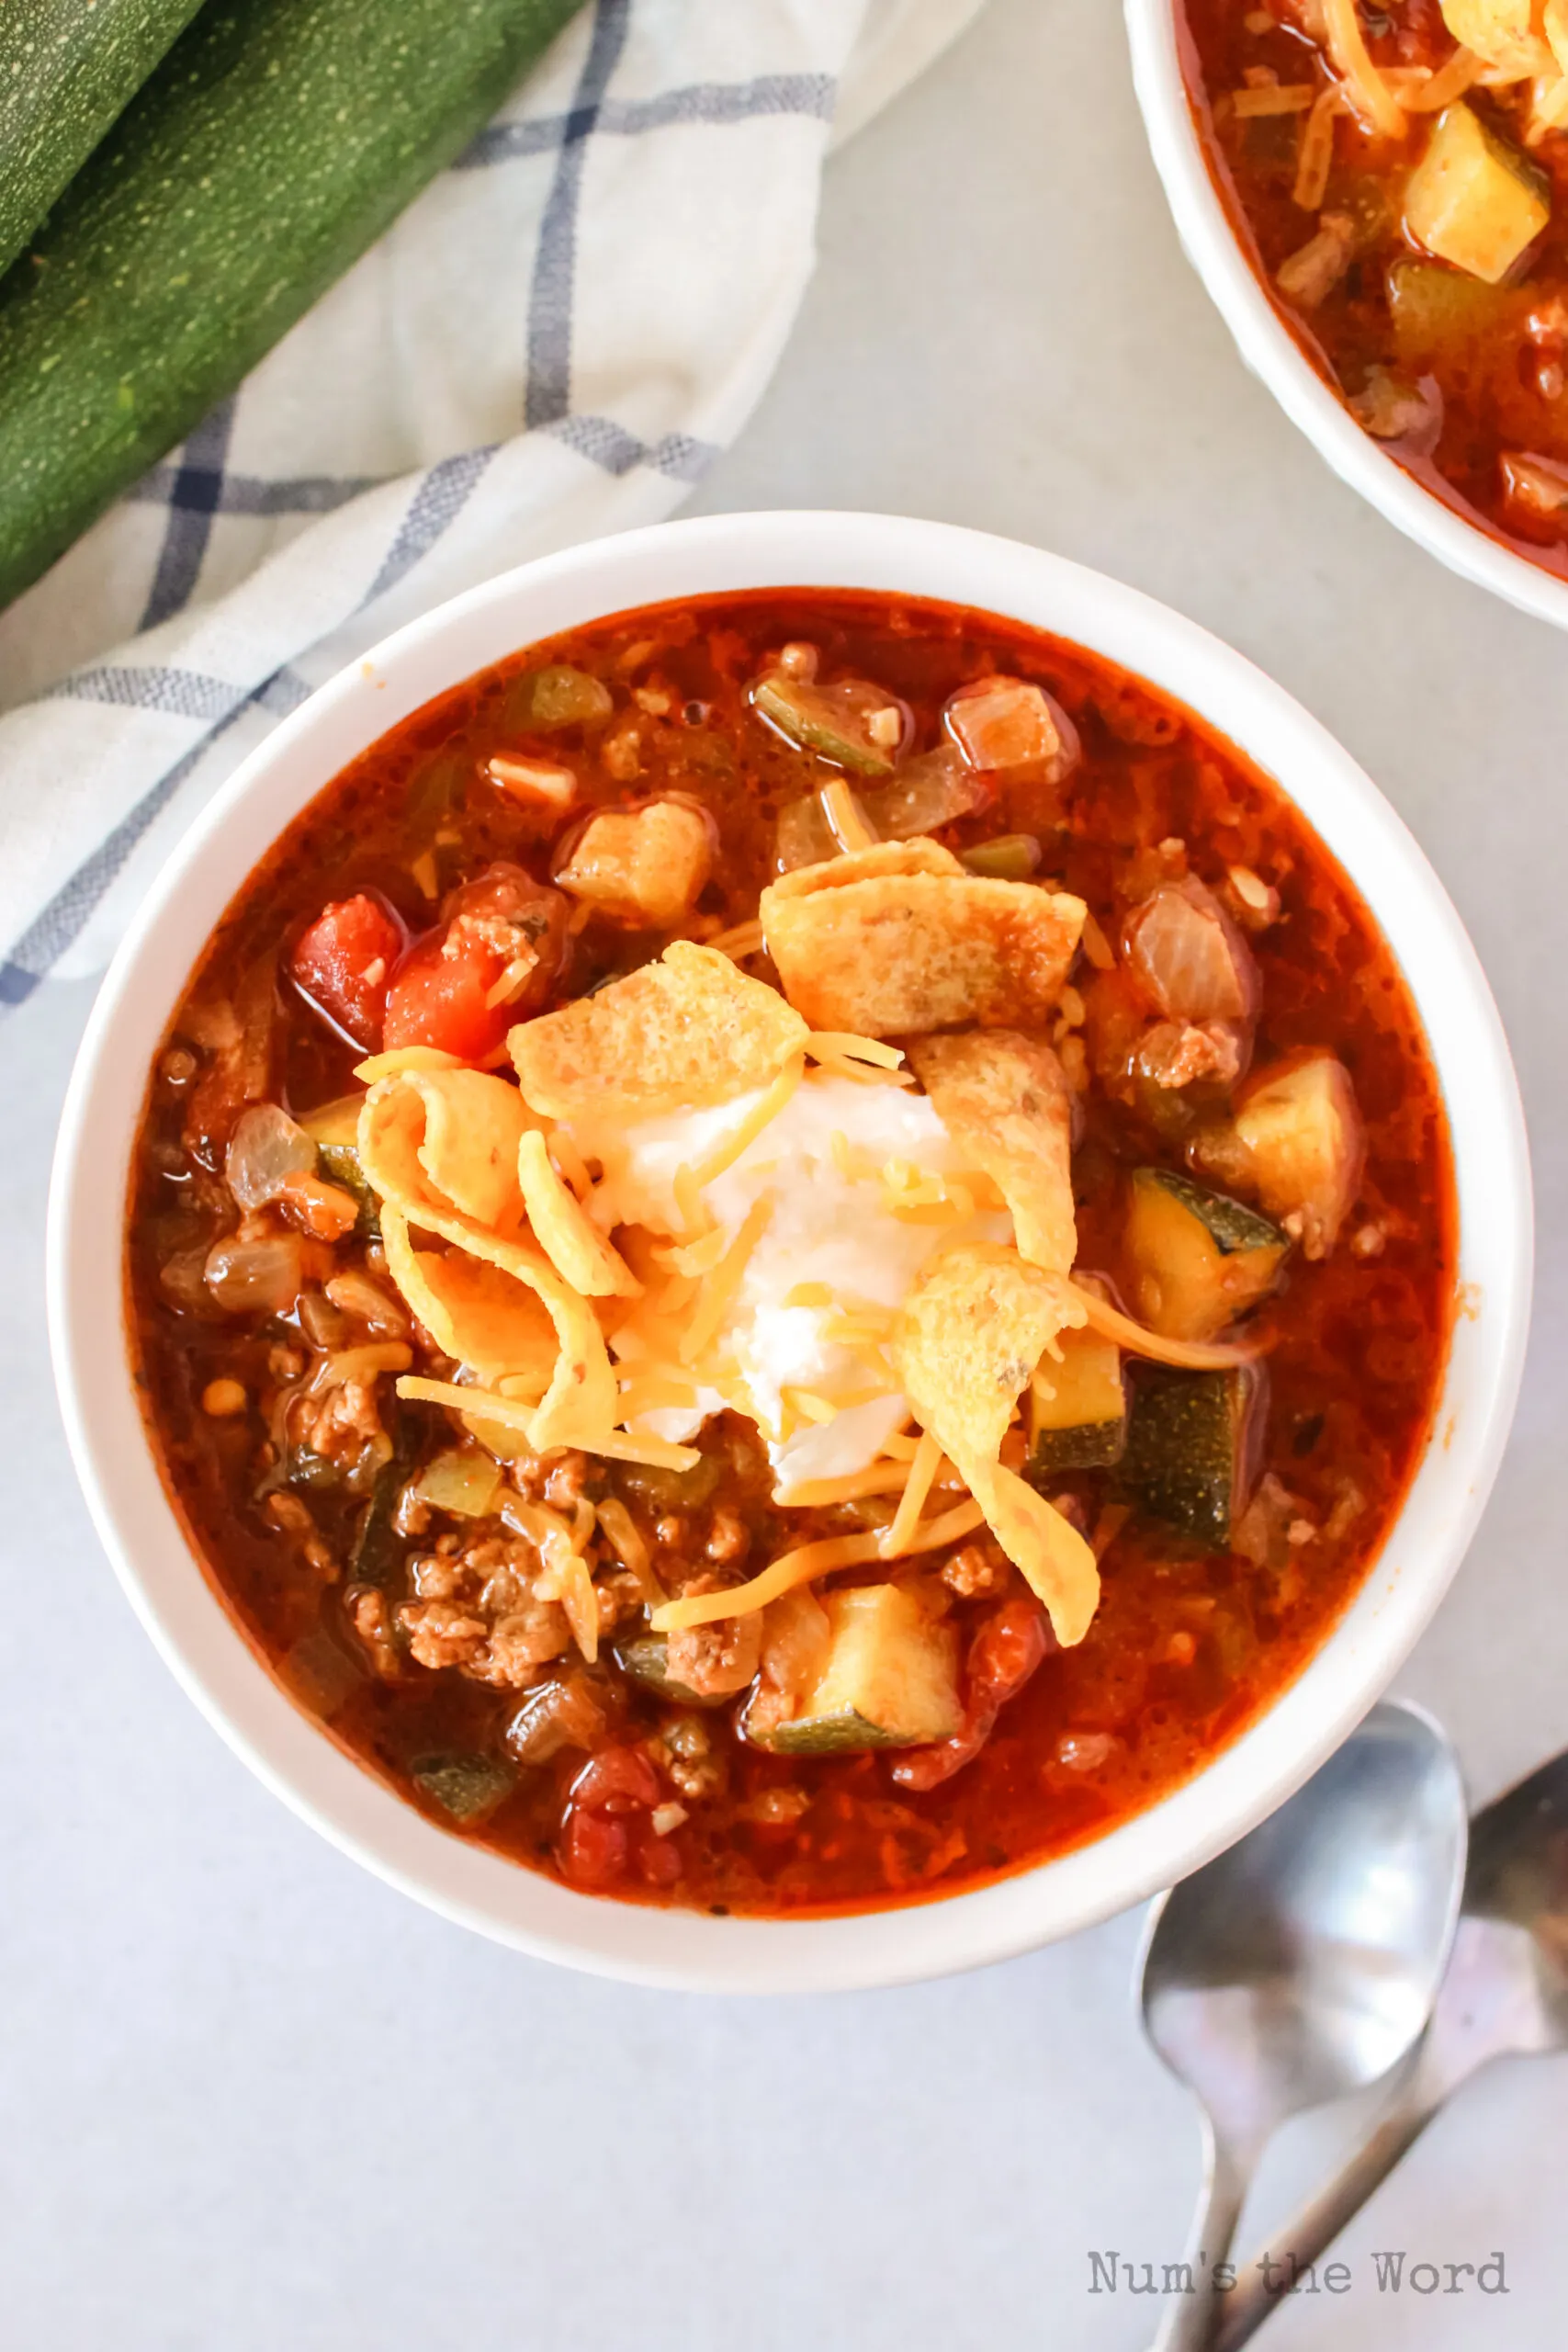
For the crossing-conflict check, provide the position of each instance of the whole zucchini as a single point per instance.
(66, 70)
(272, 146)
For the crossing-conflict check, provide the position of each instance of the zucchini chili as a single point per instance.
(1400, 172)
(792, 1251)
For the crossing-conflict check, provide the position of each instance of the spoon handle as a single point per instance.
(1191, 2320)
(1317, 2224)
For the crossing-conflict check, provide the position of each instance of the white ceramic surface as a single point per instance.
(1271, 351)
(680, 1949)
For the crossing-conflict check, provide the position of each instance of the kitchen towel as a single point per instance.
(554, 342)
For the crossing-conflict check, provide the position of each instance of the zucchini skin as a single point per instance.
(272, 146)
(65, 74)
(1191, 1445)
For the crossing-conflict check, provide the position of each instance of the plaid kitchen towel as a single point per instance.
(554, 342)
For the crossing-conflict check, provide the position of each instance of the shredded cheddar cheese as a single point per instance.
(845, 820)
(1188, 1355)
(404, 1058)
(803, 1565)
(1364, 87)
(921, 1477)
(719, 1288)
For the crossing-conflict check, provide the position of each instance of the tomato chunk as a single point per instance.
(343, 964)
(594, 1850)
(503, 931)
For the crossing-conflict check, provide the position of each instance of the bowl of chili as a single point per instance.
(826, 716)
(1375, 211)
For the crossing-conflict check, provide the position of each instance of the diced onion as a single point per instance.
(251, 1277)
(268, 1147)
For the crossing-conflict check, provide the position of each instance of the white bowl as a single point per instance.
(213, 1658)
(1271, 351)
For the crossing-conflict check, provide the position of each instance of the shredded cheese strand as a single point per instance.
(626, 1537)
(724, 1156)
(845, 822)
(824, 1494)
(404, 1058)
(718, 1290)
(1272, 98)
(1315, 156)
(487, 1405)
(848, 1046)
(1187, 1355)
(745, 939)
(1364, 86)
(802, 1566)
(652, 1452)
(905, 1518)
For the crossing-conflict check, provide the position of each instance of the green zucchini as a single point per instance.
(463, 1784)
(67, 69)
(836, 722)
(1197, 1258)
(646, 1659)
(1192, 1450)
(270, 148)
(542, 701)
(887, 1677)
(1078, 1408)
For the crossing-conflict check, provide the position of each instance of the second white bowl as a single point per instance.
(1210, 239)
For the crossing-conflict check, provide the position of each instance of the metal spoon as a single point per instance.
(1506, 1995)
(1303, 1964)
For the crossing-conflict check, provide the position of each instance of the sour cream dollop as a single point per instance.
(817, 1165)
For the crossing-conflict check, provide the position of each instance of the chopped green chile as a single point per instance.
(1011, 857)
(854, 725)
(409, 1584)
(557, 696)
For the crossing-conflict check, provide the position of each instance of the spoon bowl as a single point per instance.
(1303, 1964)
(1506, 1995)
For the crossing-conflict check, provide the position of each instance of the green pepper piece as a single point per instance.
(465, 1785)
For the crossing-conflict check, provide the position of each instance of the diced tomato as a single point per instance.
(594, 1850)
(658, 1859)
(343, 964)
(503, 922)
(442, 1000)
(618, 1780)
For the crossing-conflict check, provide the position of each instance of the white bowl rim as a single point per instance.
(1265, 344)
(213, 1659)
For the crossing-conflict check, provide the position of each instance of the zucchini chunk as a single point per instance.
(1197, 1258)
(1078, 1408)
(1191, 1448)
(857, 727)
(1474, 199)
(883, 1672)
(646, 1659)
(463, 1784)
(1305, 1139)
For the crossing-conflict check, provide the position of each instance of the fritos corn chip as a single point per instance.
(1004, 1100)
(897, 954)
(678, 1035)
(974, 1327)
(575, 1247)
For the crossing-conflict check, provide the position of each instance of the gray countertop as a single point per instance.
(253, 2098)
